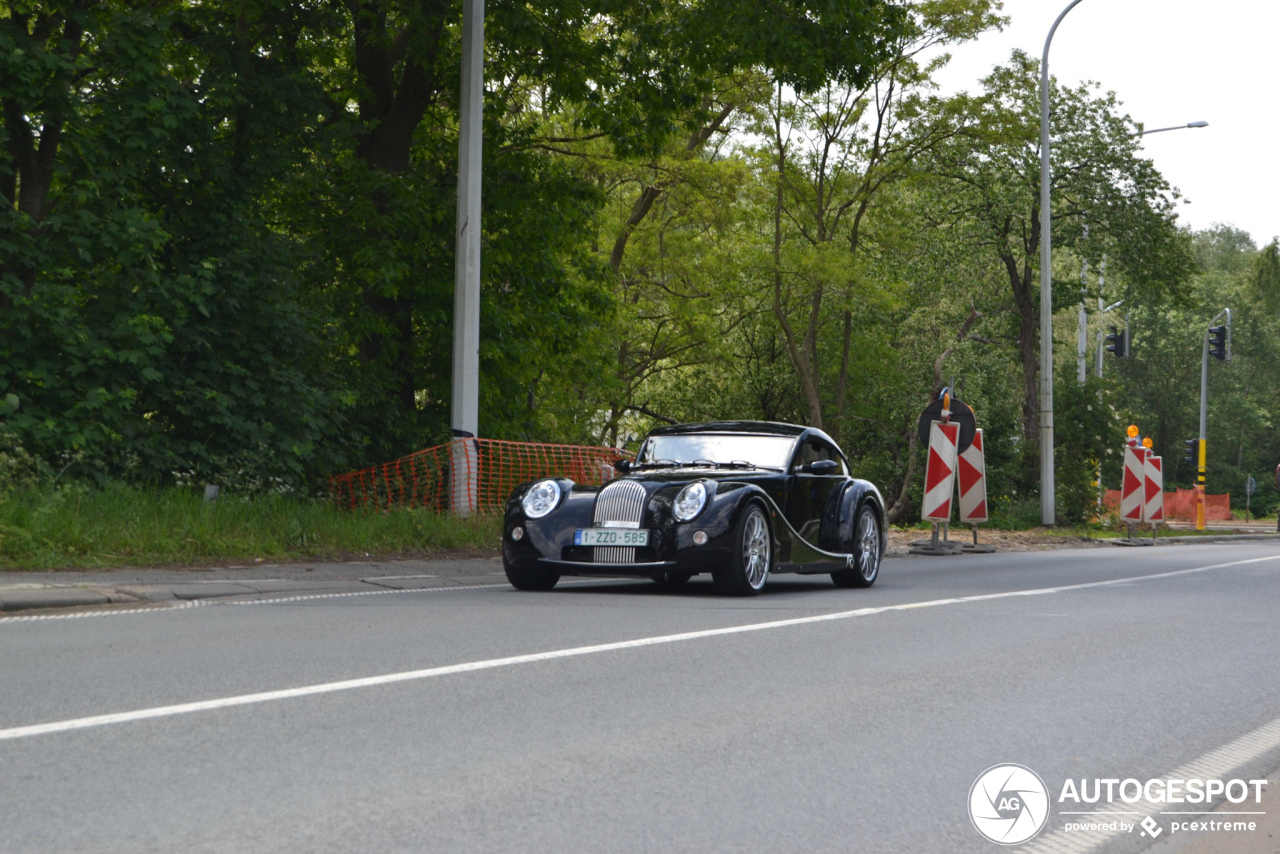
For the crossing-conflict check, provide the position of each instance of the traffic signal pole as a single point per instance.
(1224, 350)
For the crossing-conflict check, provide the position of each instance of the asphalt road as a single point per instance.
(807, 719)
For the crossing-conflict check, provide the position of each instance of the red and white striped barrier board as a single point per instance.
(972, 472)
(940, 471)
(1153, 498)
(1132, 487)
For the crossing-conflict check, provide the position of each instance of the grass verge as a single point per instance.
(45, 527)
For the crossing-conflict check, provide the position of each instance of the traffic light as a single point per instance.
(1193, 451)
(1218, 342)
(1118, 343)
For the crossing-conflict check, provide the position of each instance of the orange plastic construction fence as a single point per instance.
(1182, 505)
(494, 468)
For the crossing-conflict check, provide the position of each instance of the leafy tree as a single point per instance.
(150, 326)
(834, 153)
(990, 175)
(1161, 382)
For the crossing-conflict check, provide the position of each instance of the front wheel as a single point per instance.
(529, 579)
(752, 555)
(865, 567)
(672, 580)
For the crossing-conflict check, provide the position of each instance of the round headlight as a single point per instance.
(541, 499)
(690, 501)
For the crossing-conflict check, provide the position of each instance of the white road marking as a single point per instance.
(307, 596)
(394, 577)
(154, 608)
(572, 652)
(1214, 765)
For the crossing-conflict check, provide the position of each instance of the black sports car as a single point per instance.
(738, 499)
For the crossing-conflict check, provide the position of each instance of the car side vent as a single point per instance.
(620, 502)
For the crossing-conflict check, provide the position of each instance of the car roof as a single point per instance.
(768, 428)
(764, 428)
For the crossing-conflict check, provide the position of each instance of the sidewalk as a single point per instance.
(131, 586)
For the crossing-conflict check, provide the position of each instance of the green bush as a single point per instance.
(48, 524)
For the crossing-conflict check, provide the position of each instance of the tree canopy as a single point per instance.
(226, 250)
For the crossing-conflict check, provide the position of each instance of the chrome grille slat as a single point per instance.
(621, 501)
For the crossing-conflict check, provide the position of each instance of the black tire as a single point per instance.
(752, 554)
(867, 552)
(530, 579)
(672, 580)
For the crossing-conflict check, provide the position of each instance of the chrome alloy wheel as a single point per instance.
(868, 546)
(755, 548)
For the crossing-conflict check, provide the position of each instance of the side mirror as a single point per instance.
(623, 465)
(822, 467)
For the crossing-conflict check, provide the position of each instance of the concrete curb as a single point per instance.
(25, 597)
(1203, 538)
(30, 596)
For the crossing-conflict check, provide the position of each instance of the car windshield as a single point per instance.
(720, 448)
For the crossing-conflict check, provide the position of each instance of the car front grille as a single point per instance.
(621, 501)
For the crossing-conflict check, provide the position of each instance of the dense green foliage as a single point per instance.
(226, 250)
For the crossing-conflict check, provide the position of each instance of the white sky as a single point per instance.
(1170, 62)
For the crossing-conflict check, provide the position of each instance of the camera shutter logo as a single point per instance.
(1008, 804)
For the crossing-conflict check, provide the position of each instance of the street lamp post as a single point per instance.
(1046, 280)
(1046, 288)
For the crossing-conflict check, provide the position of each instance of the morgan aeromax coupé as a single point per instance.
(741, 500)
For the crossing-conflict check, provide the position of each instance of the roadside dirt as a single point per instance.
(1035, 539)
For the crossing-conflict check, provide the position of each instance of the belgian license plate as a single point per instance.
(610, 537)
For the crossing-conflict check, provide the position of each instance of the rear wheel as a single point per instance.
(865, 567)
(530, 579)
(752, 555)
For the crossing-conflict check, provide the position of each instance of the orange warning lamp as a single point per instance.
(1147, 443)
(1133, 431)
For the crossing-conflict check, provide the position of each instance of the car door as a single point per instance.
(810, 490)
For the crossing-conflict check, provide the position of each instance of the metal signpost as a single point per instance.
(1250, 487)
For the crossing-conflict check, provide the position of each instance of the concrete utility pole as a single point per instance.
(1102, 284)
(1082, 340)
(1046, 288)
(465, 419)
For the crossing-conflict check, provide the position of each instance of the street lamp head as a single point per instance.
(1174, 127)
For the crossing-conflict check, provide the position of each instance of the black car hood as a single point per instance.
(686, 474)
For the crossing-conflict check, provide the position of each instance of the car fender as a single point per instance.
(726, 507)
(841, 515)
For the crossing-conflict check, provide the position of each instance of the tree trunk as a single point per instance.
(34, 158)
(902, 505)
(799, 352)
(391, 110)
(1028, 346)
